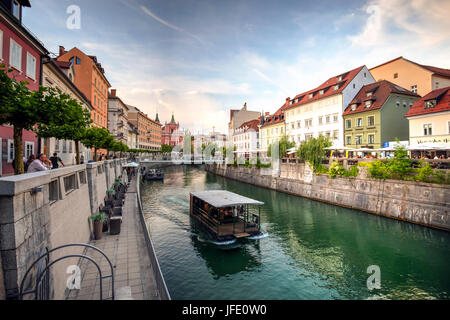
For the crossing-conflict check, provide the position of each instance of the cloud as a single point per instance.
(417, 22)
(171, 26)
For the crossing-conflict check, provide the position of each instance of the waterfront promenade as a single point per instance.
(133, 275)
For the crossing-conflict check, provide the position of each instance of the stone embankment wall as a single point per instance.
(420, 203)
(47, 210)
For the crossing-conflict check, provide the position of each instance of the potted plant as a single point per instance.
(98, 220)
(110, 192)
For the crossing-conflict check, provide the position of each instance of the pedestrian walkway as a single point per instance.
(133, 275)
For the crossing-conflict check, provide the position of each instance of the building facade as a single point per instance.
(319, 111)
(272, 128)
(60, 75)
(238, 117)
(246, 140)
(132, 136)
(377, 115)
(117, 117)
(171, 133)
(149, 131)
(90, 79)
(418, 78)
(429, 118)
(21, 52)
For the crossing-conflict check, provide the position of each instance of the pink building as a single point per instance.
(171, 134)
(22, 52)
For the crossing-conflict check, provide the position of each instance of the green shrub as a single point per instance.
(424, 172)
(335, 170)
(364, 164)
(98, 217)
(378, 170)
(353, 172)
(320, 169)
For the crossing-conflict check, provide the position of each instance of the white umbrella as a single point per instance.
(131, 165)
(364, 150)
(429, 146)
(338, 148)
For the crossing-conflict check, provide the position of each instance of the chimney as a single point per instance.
(62, 50)
(245, 106)
(288, 99)
(113, 92)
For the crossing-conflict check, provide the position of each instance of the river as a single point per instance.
(310, 250)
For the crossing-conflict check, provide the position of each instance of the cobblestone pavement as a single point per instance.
(133, 275)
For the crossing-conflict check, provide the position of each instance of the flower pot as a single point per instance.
(98, 226)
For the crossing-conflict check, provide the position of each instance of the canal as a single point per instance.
(310, 250)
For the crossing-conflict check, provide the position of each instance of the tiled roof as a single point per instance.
(277, 117)
(380, 90)
(442, 97)
(328, 88)
(62, 64)
(252, 124)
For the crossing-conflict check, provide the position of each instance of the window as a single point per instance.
(64, 146)
(16, 9)
(15, 55)
(371, 138)
(71, 60)
(78, 60)
(365, 75)
(320, 120)
(395, 75)
(311, 95)
(414, 89)
(348, 140)
(348, 123)
(437, 85)
(354, 107)
(336, 87)
(70, 146)
(308, 136)
(428, 129)
(29, 149)
(397, 104)
(321, 92)
(368, 103)
(371, 121)
(56, 145)
(354, 86)
(10, 151)
(31, 66)
(335, 118)
(359, 122)
(299, 124)
(308, 123)
(82, 175)
(327, 119)
(358, 140)
(53, 189)
(430, 104)
(335, 134)
(1, 45)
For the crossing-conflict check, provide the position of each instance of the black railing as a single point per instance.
(160, 283)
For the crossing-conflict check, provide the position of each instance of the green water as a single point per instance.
(311, 250)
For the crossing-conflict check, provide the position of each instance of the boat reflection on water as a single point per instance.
(225, 258)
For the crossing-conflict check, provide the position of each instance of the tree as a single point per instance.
(165, 148)
(97, 138)
(68, 125)
(313, 150)
(283, 145)
(24, 109)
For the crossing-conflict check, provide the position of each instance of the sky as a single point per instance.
(199, 59)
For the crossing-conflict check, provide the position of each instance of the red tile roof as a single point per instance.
(381, 91)
(442, 97)
(327, 87)
(278, 116)
(62, 64)
(252, 124)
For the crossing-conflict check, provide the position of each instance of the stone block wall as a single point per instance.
(420, 203)
(47, 210)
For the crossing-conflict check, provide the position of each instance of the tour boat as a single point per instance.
(154, 174)
(225, 215)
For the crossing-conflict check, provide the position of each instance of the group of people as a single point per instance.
(33, 164)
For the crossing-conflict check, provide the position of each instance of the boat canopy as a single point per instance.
(223, 198)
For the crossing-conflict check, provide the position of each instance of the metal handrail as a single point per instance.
(47, 255)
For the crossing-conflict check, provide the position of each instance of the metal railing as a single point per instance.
(159, 278)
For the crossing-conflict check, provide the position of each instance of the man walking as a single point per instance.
(55, 159)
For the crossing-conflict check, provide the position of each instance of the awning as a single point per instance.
(223, 198)
(429, 146)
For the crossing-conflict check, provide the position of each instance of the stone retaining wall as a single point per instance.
(57, 213)
(420, 203)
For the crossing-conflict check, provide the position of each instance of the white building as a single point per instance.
(319, 111)
(117, 118)
(246, 140)
(238, 117)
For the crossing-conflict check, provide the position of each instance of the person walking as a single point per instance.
(55, 159)
(41, 164)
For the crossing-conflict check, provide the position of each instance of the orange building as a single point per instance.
(149, 130)
(418, 78)
(91, 81)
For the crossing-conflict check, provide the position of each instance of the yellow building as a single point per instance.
(429, 118)
(418, 78)
(272, 128)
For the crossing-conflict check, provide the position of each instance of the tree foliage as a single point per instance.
(313, 150)
(283, 145)
(97, 138)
